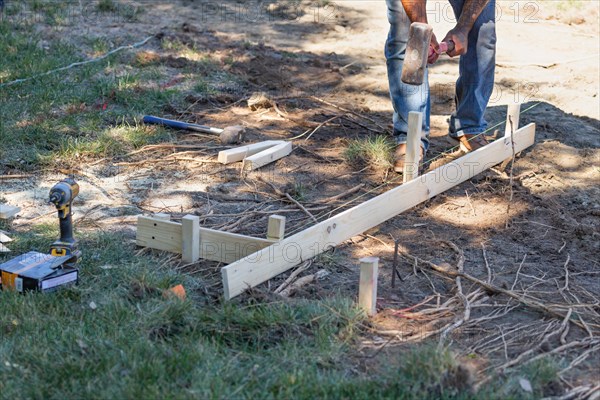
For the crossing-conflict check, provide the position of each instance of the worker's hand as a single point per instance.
(461, 41)
(433, 55)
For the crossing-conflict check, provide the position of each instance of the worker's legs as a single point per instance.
(476, 77)
(405, 98)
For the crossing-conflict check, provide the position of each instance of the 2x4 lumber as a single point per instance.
(4, 249)
(229, 247)
(413, 146)
(159, 234)
(190, 244)
(276, 227)
(268, 156)
(285, 254)
(513, 114)
(239, 153)
(7, 211)
(367, 288)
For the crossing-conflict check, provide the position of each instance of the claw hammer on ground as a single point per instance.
(229, 135)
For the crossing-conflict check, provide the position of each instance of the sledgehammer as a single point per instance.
(229, 135)
(418, 50)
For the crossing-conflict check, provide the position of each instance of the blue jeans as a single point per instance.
(473, 87)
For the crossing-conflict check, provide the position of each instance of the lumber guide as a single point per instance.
(278, 258)
(194, 242)
(252, 261)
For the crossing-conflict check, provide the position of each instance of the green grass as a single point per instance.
(375, 151)
(136, 343)
(92, 110)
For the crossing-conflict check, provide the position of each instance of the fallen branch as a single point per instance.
(305, 280)
(495, 289)
(77, 64)
(293, 276)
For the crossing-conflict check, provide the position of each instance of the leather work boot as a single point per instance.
(400, 157)
(469, 143)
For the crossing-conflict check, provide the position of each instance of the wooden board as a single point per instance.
(268, 156)
(212, 244)
(229, 247)
(281, 256)
(7, 211)
(159, 234)
(239, 153)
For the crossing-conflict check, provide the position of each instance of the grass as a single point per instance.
(135, 343)
(374, 151)
(91, 111)
(116, 336)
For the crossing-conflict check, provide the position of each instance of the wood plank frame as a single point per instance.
(287, 253)
(194, 242)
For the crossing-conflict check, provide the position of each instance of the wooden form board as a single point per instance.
(229, 247)
(285, 254)
(239, 153)
(7, 211)
(159, 234)
(268, 156)
(194, 242)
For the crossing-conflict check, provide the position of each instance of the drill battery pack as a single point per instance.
(35, 271)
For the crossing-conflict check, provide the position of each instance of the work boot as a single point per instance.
(469, 143)
(400, 157)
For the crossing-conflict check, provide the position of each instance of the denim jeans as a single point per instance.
(473, 87)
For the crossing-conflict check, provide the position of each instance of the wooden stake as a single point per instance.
(190, 243)
(513, 113)
(162, 216)
(413, 146)
(367, 290)
(276, 227)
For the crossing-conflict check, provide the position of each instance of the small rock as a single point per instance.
(525, 385)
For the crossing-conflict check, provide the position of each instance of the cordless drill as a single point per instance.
(62, 195)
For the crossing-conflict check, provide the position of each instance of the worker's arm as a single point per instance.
(460, 34)
(417, 12)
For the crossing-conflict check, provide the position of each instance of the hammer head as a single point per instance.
(417, 51)
(232, 134)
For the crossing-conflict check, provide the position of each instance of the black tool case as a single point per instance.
(38, 272)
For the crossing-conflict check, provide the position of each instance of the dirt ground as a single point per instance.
(300, 55)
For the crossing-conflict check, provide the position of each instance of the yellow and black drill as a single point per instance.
(62, 195)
